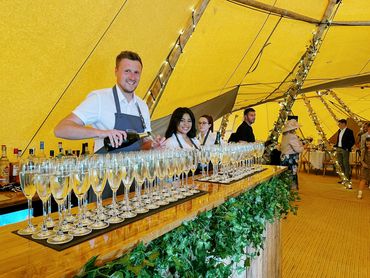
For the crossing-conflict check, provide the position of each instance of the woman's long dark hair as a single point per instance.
(175, 121)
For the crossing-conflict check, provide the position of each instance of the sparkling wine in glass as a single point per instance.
(42, 183)
(59, 185)
(26, 178)
(80, 183)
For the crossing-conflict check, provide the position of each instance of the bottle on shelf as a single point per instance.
(132, 137)
(83, 149)
(42, 150)
(31, 153)
(51, 154)
(87, 152)
(4, 166)
(60, 149)
(14, 169)
(218, 138)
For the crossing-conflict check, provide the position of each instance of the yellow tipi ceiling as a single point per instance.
(54, 53)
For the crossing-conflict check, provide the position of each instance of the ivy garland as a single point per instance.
(214, 244)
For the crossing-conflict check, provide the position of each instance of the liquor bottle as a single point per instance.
(60, 148)
(83, 149)
(87, 152)
(51, 154)
(42, 150)
(4, 167)
(14, 171)
(218, 138)
(132, 137)
(31, 153)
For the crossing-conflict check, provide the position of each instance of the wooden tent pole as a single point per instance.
(301, 74)
(346, 108)
(321, 132)
(336, 119)
(276, 10)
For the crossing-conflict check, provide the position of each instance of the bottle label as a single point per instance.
(4, 173)
(15, 170)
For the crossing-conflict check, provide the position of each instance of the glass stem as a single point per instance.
(29, 202)
(45, 215)
(60, 212)
(69, 200)
(186, 181)
(49, 206)
(114, 203)
(80, 212)
(127, 206)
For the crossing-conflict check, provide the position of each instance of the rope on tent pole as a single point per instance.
(332, 153)
(336, 119)
(346, 108)
(300, 76)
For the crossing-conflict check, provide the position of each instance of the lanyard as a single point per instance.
(205, 138)
(181, 146)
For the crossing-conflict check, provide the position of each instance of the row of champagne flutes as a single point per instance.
(158, 171)
(236, 161)
(160, 177)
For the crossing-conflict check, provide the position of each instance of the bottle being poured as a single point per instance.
(131, 138)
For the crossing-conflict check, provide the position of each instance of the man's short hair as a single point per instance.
(249, 109)
(342, 121)
(133, 56)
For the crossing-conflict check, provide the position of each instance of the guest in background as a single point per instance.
(364, 136)
(206, 136)
(181, 132)
(345, 142)
(291, 147)
(244, 133)
(365, 171)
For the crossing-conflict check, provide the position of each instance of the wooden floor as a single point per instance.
(330, 236)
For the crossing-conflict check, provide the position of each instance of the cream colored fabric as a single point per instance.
(290, 144)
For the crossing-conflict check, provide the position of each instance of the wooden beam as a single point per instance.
(276, 10)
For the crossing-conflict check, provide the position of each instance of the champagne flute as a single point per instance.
(42, 183)
(127, 179)
(98, 180)
(140, 172)
(26, 177)
(70, 162)
(186, 165)
(177, 172)
(59, 185)
(49, 220)
(161, 171)
(151, 175)
(194, 156)
(80, 184)
(114, 175)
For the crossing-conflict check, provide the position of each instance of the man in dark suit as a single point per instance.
(244, 133)
(345, 142)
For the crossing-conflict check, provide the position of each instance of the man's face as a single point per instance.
(250, 117)
(128, 75)
(342, 125)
